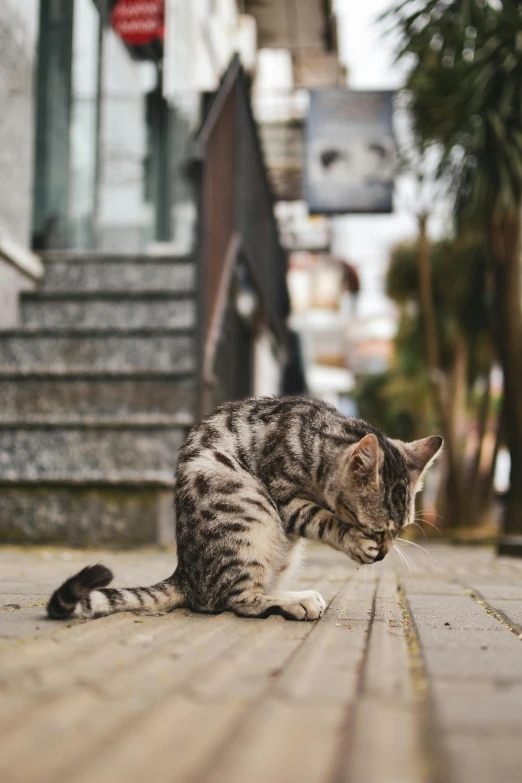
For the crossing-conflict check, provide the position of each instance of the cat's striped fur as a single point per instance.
(254, 479)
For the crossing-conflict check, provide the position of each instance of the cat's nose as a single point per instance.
(384, 549)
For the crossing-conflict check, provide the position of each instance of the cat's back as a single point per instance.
(245, 427)
(261, 413)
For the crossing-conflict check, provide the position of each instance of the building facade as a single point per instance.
(96, 133)
(148, 233)
(96, 129)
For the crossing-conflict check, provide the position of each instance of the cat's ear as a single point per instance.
(364, 459)
(419, 454)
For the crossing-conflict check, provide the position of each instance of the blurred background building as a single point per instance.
(150, 199)
(158, 253)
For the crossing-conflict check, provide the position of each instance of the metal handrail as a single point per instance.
(227, 84)
(216, 324)
(237, 223)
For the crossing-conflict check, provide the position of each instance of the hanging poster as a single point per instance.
(350, 154)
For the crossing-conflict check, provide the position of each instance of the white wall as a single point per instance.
(18, 29)
(267, 367)
(18, 26)
(201, 37)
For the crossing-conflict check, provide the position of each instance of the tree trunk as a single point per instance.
(482, 425)
(486, 501)
(431, 340)
(463, 514)
(457, 511)
(506, 248)
(456, 404)
(439, 394)
(476, 479)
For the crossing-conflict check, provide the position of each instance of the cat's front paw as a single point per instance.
(364, 550)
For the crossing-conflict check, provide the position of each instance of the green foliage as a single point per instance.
(378, 402)
(399, 400)
(460, 295)
(466, 95)
(458, 267)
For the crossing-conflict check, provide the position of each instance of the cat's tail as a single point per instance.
(86, 595)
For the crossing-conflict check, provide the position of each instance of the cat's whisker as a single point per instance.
(431, 524)
(422, 531)
(409, 568)
(404, 541)
(432, 511)
(398, 561)
(411, 572)
(420, 512)
(425, 522)
(403, 556)
(399, 552)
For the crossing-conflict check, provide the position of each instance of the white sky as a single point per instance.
(367, 240)
(363, 48)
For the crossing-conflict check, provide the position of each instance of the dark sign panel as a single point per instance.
(350, 154)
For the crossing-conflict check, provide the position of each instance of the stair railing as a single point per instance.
(237, 226)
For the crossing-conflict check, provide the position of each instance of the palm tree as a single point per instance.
(463, 361)
(465, 85)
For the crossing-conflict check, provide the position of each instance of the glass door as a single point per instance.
(67, 111)
(84, 125)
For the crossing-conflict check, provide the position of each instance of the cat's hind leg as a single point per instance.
(232, 545)
(290, 567)
(259, 593)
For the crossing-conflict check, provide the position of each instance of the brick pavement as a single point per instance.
(410, 677)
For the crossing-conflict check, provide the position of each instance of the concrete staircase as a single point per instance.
(97, 393)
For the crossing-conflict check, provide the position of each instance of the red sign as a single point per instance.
(139, 22)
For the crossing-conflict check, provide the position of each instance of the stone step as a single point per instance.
(107, 310)
(91, 452)
(54, 396)
(120, 515)
(102, 272)
(23, 352)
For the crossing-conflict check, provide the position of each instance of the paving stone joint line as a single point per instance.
(437, 767)
(348, 729)
(493, 611)
(243, 720)
(447, 700)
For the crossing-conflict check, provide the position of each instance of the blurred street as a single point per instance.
(409, 677)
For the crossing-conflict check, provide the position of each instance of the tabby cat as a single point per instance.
(254, 479)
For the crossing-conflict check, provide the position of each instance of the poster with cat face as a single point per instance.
(350, 152)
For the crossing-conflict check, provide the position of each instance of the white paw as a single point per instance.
(365, 550)
(306, 605)
(316, 602)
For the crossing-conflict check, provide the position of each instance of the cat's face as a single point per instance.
(376, 486)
